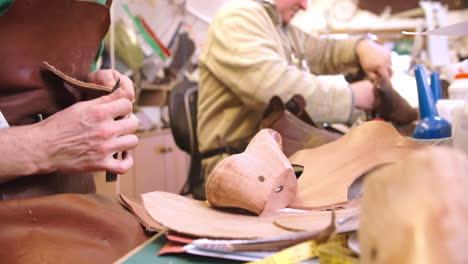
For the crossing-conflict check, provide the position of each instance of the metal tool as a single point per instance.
(110, 176)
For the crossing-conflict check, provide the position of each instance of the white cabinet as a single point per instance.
(159, 166)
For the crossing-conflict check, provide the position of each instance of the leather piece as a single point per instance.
(393, 107)
(390, 105)
(142, 216)
(313, 220)
(296, 128)
(66, 228)
(198, 218)
(415, 210)
(65, 33)
(329, 170)
(79, 86)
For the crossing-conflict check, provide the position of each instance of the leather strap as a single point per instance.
(223, 150)
(74, 82)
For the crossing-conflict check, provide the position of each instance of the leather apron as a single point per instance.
(67, 34)
(67, 228)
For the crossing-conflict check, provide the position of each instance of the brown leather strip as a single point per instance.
(74, 82)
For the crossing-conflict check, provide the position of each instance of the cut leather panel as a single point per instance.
(329, 170)
(200, 219)
(66, 228)
(416, 211)
(65, 33)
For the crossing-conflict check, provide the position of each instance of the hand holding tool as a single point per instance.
(110, 176)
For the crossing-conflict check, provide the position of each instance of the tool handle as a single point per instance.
(110, 176)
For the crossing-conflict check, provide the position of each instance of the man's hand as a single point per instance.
(84, 136)
(375, 59)
(365, 95)
(109, 78)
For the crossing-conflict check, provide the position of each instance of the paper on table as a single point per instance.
(458, 29)
(242, 256)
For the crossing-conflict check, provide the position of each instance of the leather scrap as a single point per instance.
(74, 82)
(176, 244)
(345, 220)
(171, 236)
(172, 248)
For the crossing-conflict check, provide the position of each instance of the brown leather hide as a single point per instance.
(66, 228)
(66, 34)
(393, 107)
(296, 128)
(390, 105)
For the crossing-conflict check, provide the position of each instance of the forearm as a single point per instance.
(21, 153)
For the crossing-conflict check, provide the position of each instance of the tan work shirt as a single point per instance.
(248, 57)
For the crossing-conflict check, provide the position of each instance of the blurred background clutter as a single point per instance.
(157, 42)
